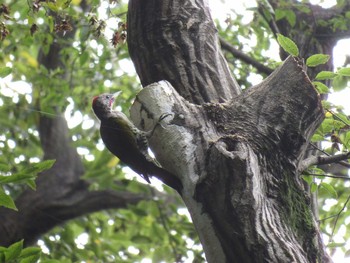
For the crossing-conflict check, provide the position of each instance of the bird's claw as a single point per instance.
(161, 117)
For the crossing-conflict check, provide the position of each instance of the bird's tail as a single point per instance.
(166, 177)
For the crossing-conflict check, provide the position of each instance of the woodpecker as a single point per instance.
(123, 139)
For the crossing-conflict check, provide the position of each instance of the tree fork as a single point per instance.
(238, 162)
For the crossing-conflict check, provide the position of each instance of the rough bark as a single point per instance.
(312, 37)
(162, 34)
(238, 160)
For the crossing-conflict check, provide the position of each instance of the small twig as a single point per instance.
(345, 164)
(337, 217)
(328, 175)
(337, 117)
(245, 58)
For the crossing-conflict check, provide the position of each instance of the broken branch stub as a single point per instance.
(276, 117)
(182, 139)
(238, 163)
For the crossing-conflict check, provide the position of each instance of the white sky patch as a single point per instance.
(329, 203)
(88, 123)
(133, 250)
(126, 66)
(43, 247)
(324, 3)
(73, 118)
(221, 9)
(82, 240)
(184, 211)
(339, 55)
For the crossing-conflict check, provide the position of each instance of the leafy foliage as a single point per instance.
(16, 253)
(26, 176)
(158, 229)
(92, 65)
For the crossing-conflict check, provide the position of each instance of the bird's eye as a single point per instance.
(108, 96)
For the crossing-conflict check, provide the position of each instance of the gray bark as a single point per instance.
(238, 160)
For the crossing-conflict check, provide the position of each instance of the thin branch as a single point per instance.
(337, 117)
(271, 22)
(329, 175)
(345, 164)
(332, 216)
(337, 217)
(245, 58)
(318, 160)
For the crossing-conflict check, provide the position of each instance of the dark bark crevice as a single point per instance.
(159, 33)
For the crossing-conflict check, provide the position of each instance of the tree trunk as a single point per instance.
(238, 160)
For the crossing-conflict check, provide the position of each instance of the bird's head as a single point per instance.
(102, 104)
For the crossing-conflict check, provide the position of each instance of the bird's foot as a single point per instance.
(161, 117)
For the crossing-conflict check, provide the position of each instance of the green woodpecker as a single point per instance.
(127, 142)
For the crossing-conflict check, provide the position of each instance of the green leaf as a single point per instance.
(5, 71)
(16, 178)
(30, 255)
(339, 83)
(279, 14)
(329, 188)
(313, 187)
(13, 251)
(344, 72)
(317, 59)
(317, 138)
(139, 239)
(288, 45)
(30, 259)
(52, 6)
(51, 23)
(42, 166)
(29, 174)
(325, 75)
(321, 88)
(31, 183)
(83, 58)
(291, 18)
(333, 245)
(307, 178)
(7, 201)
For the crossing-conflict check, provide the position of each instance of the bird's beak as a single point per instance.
(116, 94)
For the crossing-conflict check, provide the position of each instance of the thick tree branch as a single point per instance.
(319, 160)
(177, 41)
(245, 58)
(39, 212)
